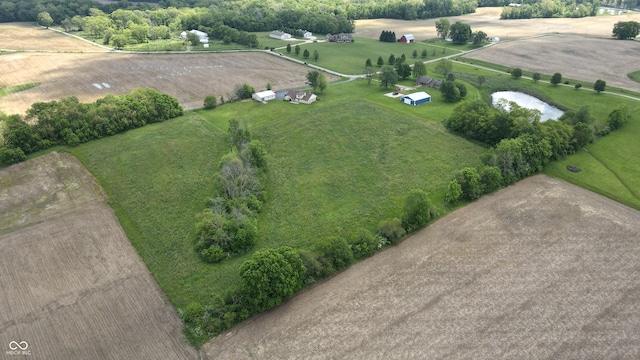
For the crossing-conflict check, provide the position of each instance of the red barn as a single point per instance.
(407, 38)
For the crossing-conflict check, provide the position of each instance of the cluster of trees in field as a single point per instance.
(459, 32)
(522, 145)
(551, 9)
(626, 30)
(69, 122)
(388, 36)
(28, 10)
(229, 224)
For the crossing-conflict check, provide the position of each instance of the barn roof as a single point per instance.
(409, 37)
(417, 96)
(265, 93)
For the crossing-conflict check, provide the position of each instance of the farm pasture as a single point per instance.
(72, 285)
(29, 37)
(541, 269)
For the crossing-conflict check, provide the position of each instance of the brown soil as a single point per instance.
(72, 285)
(27, 36)
(540, 270)
(574, 56)
(488, 20)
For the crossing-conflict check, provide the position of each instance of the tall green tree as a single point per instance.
(369, 73)
(297, 50)
(288, 48)
(417, 210)
(444, 67)
(388, 76)
(368, 63)
(460, 33)
(392, 60)
(305, 54)
(536, 76)
(423, 54)
(45, 19)
(272, 275)
(516, 73)
(380, 61)
(316, 55)
(442, 28)
(556, 79)
(419, 69)
(404, 70)
(599, 86)
(414, 54)
(626, 30)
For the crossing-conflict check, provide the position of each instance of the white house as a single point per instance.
(204, 38)
(300, 97)
(416, 98)
(279, 35)
(183, 35)
(264, 96)
(306, 34)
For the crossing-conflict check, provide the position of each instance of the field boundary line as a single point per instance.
(613, 172)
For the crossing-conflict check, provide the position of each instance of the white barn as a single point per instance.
(264, 96)
(416, 98)
(279, 35)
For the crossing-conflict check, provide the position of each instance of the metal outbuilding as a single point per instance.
(416, 98)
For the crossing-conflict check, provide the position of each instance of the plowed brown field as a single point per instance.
(71, 284)
(540, 270)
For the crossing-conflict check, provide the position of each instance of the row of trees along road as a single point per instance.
(459, 32)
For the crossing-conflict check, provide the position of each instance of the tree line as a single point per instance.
(551, 9)
(70, 122)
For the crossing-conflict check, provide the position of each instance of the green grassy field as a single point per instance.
(350, 58)
(4, 91)
(634, 76)
(331, 173)
(610, 166)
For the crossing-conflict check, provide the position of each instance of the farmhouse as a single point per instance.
(407, 38)
(204, 38)
(264, 96)
(302, 97)
(280, 35)
(416, 98)
(429, 82)
(306, 34)
(342, 37)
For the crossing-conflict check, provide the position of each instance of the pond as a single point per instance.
(529, 102)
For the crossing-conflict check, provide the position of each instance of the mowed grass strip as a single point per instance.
(350, 58)
(610, 166)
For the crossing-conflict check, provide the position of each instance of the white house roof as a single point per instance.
(198, 33)
(409, 37)
(277, 33)
(417, 96)
(265, 93)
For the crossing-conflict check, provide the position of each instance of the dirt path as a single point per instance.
(539, 270)
(72, 287)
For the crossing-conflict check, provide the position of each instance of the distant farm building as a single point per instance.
(183, 35)
(429, 82)
(416, 98)
(342, 37)
(204, 38)
(280, 35)
(300, 97)
(264, 96)
(306, 34)
(407, 38)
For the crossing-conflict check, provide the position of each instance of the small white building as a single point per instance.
(183, 35)
(264, 96)
(306, 34)
(280, 35)
(204, 38)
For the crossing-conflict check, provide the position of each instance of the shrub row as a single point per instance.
(229, 223)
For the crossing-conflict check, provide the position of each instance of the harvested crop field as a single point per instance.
(28, 37)
(540, 270)
(606, 59)
(72, 285)
(488, 20)
(189, 77)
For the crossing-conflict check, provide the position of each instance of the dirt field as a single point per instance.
(72, 285)
(188, 77)
(488, 20)
(539, 270)
(27, 36)
(604, 59)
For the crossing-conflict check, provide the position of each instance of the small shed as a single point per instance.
(202, 36)
(416, 98)
(407, 38)
(306, 34)
(264, 96)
